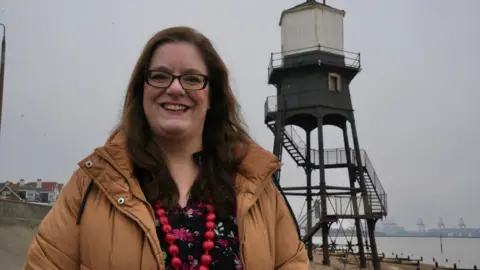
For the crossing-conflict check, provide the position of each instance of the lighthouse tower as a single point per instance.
(312, 76)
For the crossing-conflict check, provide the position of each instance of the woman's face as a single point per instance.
(176, 107)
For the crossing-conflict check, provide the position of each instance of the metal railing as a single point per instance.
(343, 205)
(376, 182)
(270, 104)
(351, 59)
(308, 98)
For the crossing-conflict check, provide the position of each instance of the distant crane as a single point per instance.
(420, 225)
(461, 224)
(441, 224)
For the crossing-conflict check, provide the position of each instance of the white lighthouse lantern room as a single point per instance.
(311, 26)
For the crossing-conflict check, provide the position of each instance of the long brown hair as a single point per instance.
(224, 132)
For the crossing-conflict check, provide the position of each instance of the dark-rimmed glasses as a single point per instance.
(162, 79)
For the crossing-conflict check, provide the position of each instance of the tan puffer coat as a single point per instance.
(117, 229)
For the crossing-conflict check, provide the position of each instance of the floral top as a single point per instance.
(188, 225)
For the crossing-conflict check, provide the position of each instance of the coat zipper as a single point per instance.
(150, 209)
(242, 257)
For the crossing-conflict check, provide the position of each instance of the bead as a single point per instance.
(163, 220)
(209, 235)
(211, 217)
(169, 238)
(173, 249)
(176, 263)
(210, 208)
(208, 245)
(203, 267)
(210, 225)
(206, 259)
(161, 212)
(166, 228)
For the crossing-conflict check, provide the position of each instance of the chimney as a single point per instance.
(21, 183)
(39, 183)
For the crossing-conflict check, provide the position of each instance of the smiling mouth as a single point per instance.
(175, 107)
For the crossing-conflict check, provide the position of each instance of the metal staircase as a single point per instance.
(336, 158)
(289, 143)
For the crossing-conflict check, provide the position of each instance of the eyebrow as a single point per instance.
(193, 71)
(160, 68)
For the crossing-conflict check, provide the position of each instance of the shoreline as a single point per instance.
(419, 236)
(427, 236)
(339, 262)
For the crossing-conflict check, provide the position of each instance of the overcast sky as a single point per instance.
(68, 64)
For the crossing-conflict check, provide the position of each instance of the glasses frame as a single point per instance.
(176, 77)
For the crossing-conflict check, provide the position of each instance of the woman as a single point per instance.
(178, 185)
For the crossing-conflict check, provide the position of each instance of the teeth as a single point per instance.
(174, 107)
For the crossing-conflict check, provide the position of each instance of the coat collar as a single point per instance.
(113, 160)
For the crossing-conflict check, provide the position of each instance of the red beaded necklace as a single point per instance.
(173, 249)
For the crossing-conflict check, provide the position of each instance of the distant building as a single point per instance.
(390, 227)
(6, 192)
(38, 191)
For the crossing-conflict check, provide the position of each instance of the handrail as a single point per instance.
(351, 59)
(338, 205)
(342, 205)
(315, 47)
(376, 183)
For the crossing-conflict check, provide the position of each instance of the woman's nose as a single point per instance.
(176, 88)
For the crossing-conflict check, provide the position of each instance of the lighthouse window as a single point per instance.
(334, 82)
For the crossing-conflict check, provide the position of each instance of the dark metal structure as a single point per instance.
(2, 73)
(313, 91)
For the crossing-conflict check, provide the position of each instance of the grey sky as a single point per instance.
(68, 64)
